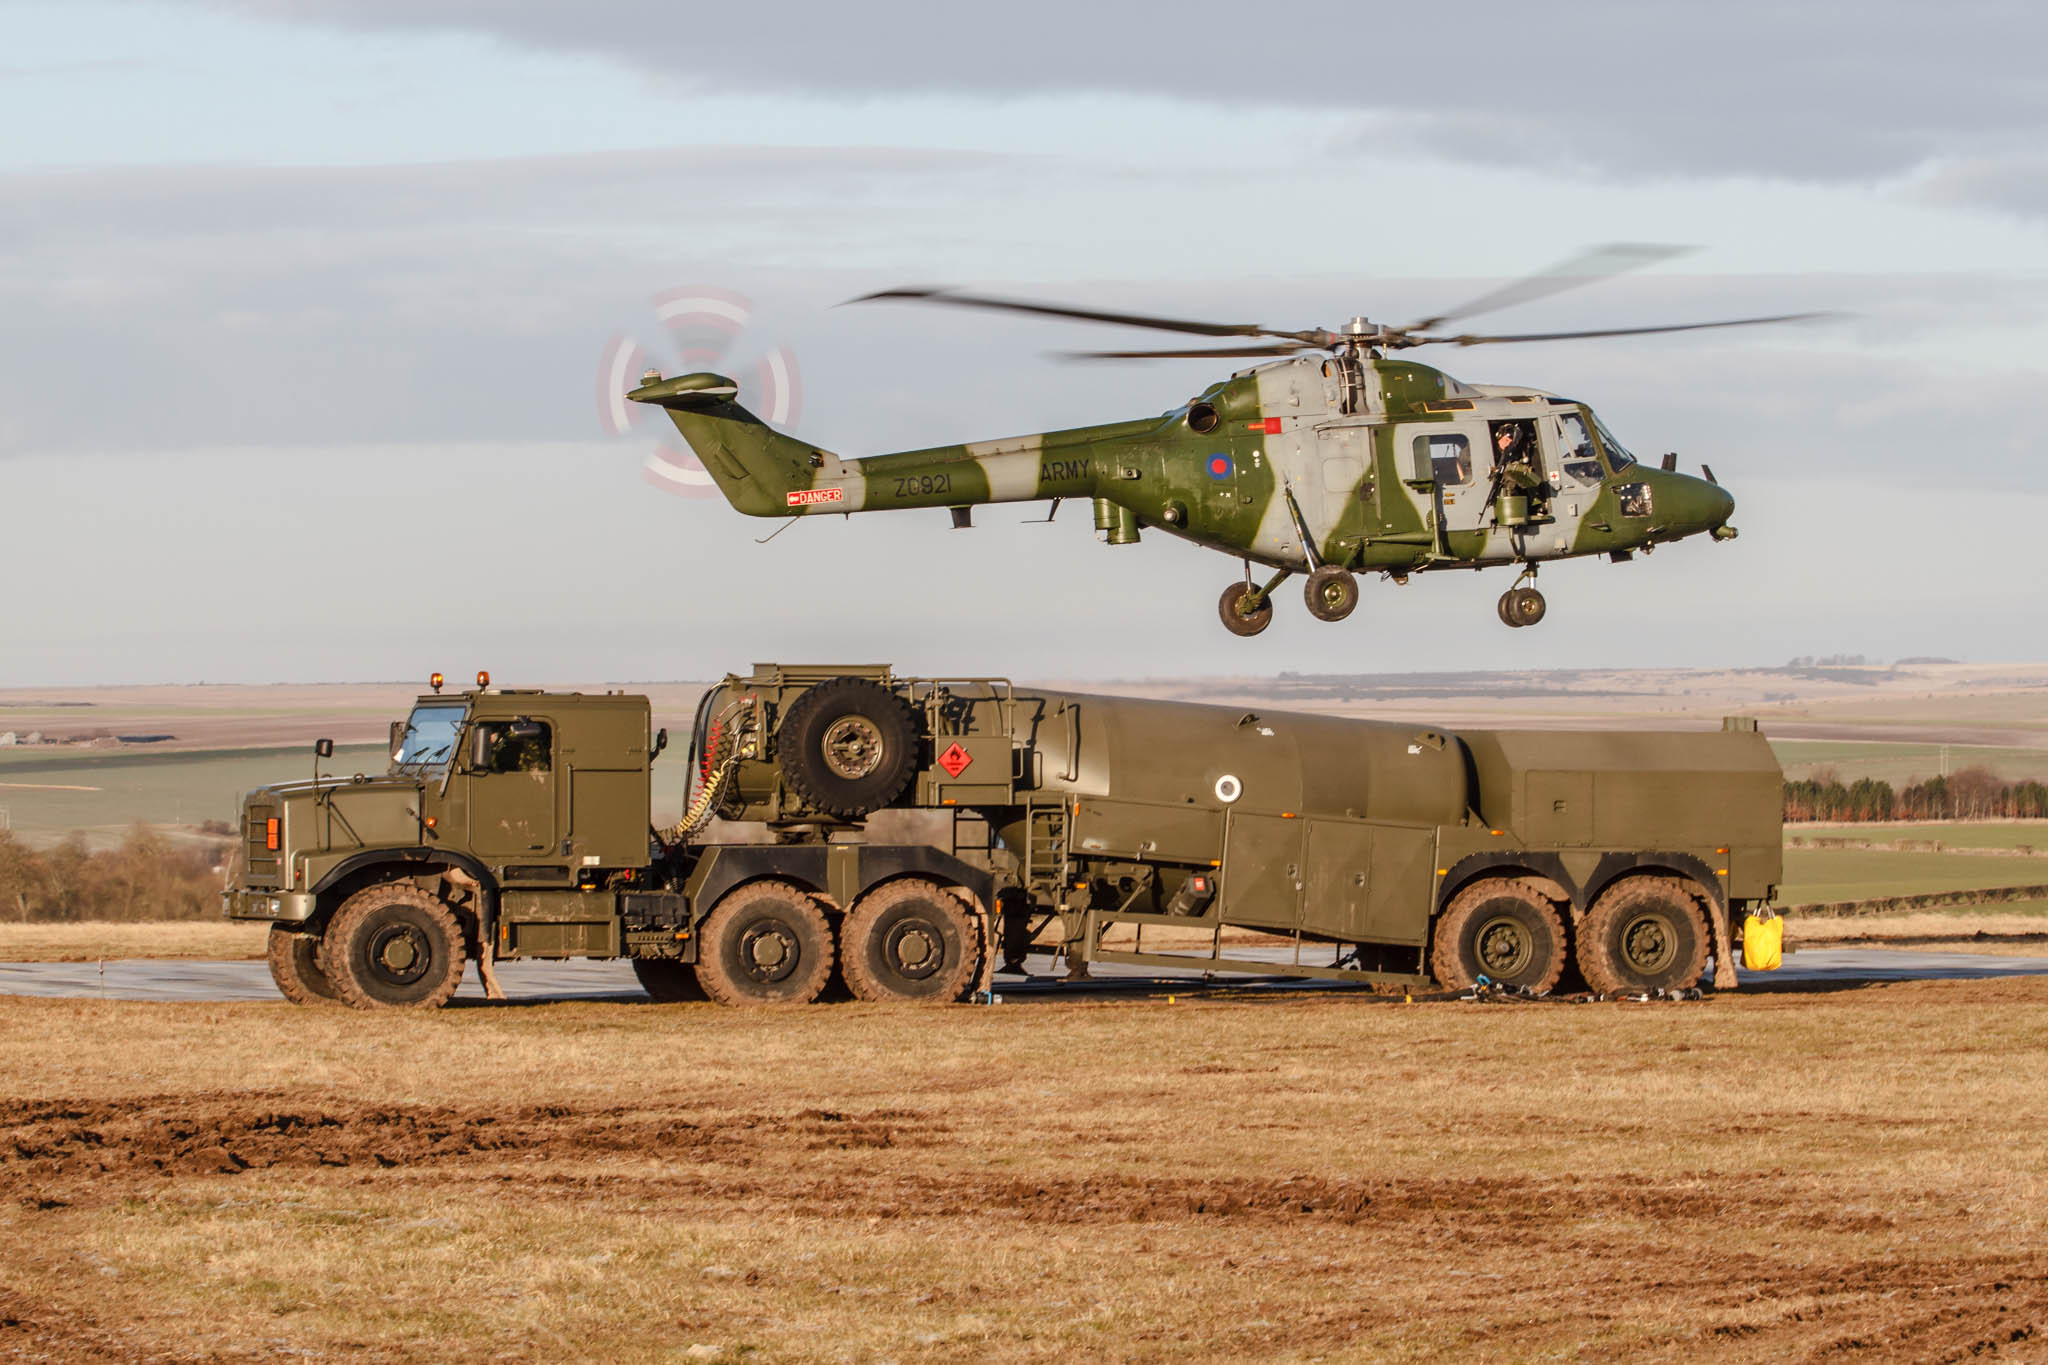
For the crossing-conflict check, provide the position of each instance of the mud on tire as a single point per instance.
(848, 746)
(393, 947)
(1502, 928)
(1644, 934)
(767, 943)
(910, 941)
(294, 957)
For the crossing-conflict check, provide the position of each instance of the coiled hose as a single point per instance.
(712, 776)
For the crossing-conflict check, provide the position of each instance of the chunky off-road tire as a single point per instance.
(294, 957)
(765, 944)
(393, 947)
(670, 982)
(1501, 928)
(910, 940)
(1644, 934)
(1237, 618)
(1332, 593)
(848, 746)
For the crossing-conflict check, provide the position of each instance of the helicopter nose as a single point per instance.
(1721, 507)
(1701, 505)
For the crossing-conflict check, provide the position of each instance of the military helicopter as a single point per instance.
(1331, 460)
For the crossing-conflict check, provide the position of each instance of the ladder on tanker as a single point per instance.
(1045, 849)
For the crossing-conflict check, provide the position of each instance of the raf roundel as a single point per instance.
(1219, 466)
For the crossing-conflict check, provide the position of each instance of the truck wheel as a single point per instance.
(1502, 929)
(1644, 934)
(765, 944)
(670, 982)
(848, 746)
(910, 940)
(295, 966)
(393, 947)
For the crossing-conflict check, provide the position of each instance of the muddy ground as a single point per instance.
(1856, 1173)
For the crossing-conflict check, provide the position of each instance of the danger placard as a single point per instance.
(955, 760)
(804, 497)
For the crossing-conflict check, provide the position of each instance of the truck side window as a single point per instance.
(516, 746)
(1447, 458)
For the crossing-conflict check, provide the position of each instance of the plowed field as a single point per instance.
(1813, 1176)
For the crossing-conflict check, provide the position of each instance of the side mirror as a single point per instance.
(398, 728)
(660, 743)
(479, 748)
(323, 748)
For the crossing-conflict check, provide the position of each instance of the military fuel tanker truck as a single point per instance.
(850, 831)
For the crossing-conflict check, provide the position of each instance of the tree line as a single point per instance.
(1972, 794)
(146, 878)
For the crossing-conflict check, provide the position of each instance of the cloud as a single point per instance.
(2014, 182)
(1821, 91)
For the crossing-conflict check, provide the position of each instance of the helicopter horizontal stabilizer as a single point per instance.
(686, 390)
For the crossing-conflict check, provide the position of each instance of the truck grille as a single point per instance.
(264, 865)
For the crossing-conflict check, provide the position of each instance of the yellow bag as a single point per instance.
(1763, 942)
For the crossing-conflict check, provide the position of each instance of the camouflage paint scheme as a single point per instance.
(1309, 461)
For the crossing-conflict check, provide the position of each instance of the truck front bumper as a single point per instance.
(279, 907)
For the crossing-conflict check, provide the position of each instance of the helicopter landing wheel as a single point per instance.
(1521, 607)
(1332, 593)
(1244, 609)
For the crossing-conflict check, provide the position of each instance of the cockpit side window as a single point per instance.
(1575, 448)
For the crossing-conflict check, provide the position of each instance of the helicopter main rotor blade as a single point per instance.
(1207, 329)
(1227, 352)
(1588, 267)
(1470, 340)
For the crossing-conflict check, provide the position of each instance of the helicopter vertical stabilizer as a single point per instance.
(762, 472)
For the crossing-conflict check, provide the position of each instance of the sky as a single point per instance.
(303, 309)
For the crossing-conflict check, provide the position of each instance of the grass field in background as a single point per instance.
(1829, 874)
(1951, 834)
(1900, 764)
(123, 786)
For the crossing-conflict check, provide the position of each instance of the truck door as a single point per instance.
(512, 788)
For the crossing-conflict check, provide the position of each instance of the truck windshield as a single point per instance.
(429, 737)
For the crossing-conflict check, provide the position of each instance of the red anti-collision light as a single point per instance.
(270, 833)
(483, 679)
(435, 682)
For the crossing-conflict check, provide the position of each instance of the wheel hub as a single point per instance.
(1648, 944)
(769, 952)
(915, 949)
(1504, 947)
(853, 747)
(400, 953)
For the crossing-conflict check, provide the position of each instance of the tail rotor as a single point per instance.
(700, 326)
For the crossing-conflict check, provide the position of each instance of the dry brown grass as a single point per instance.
(214, 940)
(1762, 1176)
(2011, 935)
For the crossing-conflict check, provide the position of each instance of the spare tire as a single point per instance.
(848, 746)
